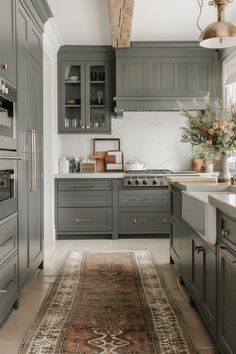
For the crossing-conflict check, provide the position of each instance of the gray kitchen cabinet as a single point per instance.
(226, 284)
(8, 266)
(8, 237)
(8, 286)
(143, 211)
(180, 240)
(153, 76)
(30, 145)
(83, 207)
(8, 40)
(84, 219)
(84, 89)
(144, 221)
(203, 280)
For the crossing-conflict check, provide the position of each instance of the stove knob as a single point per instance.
(154, 182)
(145, 182)
(162, 182)
(137, 182)
(130, 182)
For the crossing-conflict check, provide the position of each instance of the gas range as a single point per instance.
(151, 177)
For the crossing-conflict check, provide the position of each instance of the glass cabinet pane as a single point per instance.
(98, 98)
(72, 81)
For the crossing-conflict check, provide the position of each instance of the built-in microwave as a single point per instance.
(8, 183)
(7, 116)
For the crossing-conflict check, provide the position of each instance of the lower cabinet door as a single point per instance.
(8, 286)
(175, 242)
(84, 219)
(203, 280)
(137, 222)
(227, 301)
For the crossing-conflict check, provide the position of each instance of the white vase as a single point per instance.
(224, 176)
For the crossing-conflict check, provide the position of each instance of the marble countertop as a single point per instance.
(90, 175)
(225, 202)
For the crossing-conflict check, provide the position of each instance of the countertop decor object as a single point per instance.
(213, 129)
(63, 165)
(100, 158)
(88, 166)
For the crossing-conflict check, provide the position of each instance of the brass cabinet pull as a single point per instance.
(79, 220)
(85, 186)
(32, 143)
(4, 291)
(4, 66)
(10, 158)
(4, 244)
(225, 233)
(138, 200)
(227, 255)
(88, 127)
(139, 223)
(199, 249)
(83, 127)
(163, 221)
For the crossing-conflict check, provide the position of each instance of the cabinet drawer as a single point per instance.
(84, 185)
(151, 198)
(143, 222)
(84, 198)
(227, 231)
(8, 285)
(80, 219)
(8, 237)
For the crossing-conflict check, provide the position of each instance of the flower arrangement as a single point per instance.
(213, 128)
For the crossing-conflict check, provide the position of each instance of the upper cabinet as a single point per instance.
(8, 41)
(85, 89)
(153, 76)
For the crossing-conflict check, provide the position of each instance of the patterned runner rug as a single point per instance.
(108, 302)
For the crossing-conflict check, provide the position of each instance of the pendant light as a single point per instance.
(219, 34)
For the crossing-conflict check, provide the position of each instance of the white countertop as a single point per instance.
(225, 202)
(90, 175)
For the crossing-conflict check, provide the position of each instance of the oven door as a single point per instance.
(8, 183)
(7, 119)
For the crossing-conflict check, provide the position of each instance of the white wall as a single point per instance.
(153, 137)
(52, 143)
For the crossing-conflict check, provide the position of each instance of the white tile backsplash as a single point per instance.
(153, 137)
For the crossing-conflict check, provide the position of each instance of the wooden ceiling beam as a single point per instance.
(121, 16)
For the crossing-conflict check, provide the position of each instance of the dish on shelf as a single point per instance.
(73, 101)
(73, 78)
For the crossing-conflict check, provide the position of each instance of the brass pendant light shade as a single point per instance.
(219, 34)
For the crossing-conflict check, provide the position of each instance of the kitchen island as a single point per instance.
(203, 249)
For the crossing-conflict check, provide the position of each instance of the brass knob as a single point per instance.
(82, 127)
(163, 221)
(88, 127)
(225, 233)
(4, 66)
(135, 221)
(77, 220)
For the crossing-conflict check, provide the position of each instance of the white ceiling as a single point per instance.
(87, 21)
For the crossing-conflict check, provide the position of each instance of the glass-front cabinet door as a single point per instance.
(97, 97)
(84, 97)
(72, 97)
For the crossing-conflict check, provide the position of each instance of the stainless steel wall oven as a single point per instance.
(8, 183)
(7, 116)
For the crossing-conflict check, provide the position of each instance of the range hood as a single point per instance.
(153, 76)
